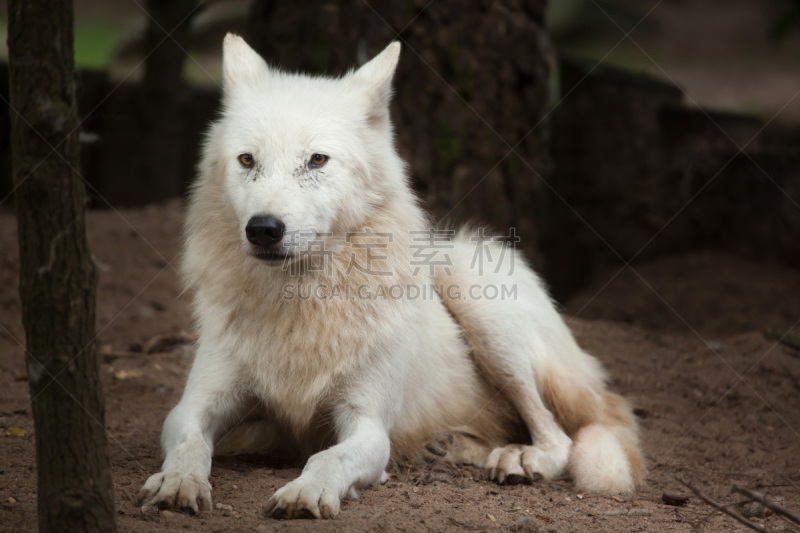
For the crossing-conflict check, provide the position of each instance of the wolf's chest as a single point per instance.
(296, 367)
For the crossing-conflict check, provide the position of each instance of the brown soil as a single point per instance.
(719, 403)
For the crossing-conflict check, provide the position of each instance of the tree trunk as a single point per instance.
(57, 276)
(162, 101)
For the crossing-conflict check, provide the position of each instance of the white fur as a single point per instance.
(375, 376)
(598, 462)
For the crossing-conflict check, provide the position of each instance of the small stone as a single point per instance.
(753, 510)
(12, 499)
(167, 515)
(526, 524)
(224, 507)
(491, 517)
(677, 500)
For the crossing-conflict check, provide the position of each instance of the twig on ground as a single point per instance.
(462, 525)
(792, 377)
(792, 483)
(762, 499)
(109, 356)
(792, 341)
(166, 343)
(726, 509)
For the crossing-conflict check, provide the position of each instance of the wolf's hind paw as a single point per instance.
(515, 463)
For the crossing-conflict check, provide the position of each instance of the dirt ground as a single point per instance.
(683, 338)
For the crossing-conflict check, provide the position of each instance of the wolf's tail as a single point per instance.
(605, 455)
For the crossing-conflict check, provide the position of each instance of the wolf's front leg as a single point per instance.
(187, 440)
(357, 460)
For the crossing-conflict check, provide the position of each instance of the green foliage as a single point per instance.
(94, 45)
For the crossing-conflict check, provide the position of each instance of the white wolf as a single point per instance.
(340, 361)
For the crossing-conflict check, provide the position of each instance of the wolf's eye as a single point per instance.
(246, 160)
(317, 160)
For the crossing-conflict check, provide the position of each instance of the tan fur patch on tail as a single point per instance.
(617, 412)
(574, 404)
(578, 405)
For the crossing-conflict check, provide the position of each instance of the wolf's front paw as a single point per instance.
(303, 499)
(516, 463)
(174, 490)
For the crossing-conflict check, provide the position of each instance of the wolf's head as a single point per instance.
(300, 157)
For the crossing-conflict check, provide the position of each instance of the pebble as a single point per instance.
(677, 500)
(753, 510)
(526, 524)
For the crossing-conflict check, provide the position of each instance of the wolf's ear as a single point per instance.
(376, 75)
(240, 63)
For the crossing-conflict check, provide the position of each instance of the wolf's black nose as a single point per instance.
(264, 230)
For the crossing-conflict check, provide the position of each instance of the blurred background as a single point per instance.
(646, 153)
(603, 131)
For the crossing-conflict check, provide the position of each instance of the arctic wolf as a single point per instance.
(302, 247)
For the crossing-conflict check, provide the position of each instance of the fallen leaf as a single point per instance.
(16, 432)
(128, 374)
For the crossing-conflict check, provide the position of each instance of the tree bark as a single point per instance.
(57, 276)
